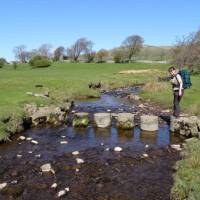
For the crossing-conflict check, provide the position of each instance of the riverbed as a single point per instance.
(142, 170)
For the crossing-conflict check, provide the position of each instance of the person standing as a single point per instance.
(178, 91)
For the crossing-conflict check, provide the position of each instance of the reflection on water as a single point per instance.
(83, 138)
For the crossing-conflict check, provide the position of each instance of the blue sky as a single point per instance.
(106, 22)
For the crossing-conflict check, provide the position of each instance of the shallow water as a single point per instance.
(104, 173)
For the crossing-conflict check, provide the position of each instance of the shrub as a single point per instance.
(39, 62)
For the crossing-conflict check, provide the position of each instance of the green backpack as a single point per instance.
(185, 75)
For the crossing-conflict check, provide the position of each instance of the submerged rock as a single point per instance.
(102, 120)
(47, 168)
(117, 149)
(74, 153)
(125, 120)
(34, 142)
(79, 160)
(22, 138)
(149, 122)
(54, 185)
(134, 97)
(176, 147)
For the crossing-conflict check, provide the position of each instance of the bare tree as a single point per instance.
(89, 53)
(101, 55)
(133, 44)
(21, 54)
(80, 46)
(59, 53)
(187, 51)
(45, 50)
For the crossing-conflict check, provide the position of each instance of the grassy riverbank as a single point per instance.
(187, 182)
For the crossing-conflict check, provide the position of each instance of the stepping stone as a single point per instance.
(149, 122)
(81, 119)
(102, 120)
(125, 121)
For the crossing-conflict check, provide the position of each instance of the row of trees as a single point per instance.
(185, 52)
(82, 48)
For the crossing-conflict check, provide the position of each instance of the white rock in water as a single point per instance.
(62, 193)
(29, 138)
(118, 149)
(67, 189)
(108, 110)
(145, 155)
(21, 137)
(79, 160)
(19, 155)
(107, 149)
(14, 182)
(63, 136)
(34, 142)
(38, 156)
(77, 170)
(30, 152)
(47, 168)
(54, 185)
(75, 153)
(63, 142)
(176, 146)
(146, 146)
(2, 185)
(102, 143)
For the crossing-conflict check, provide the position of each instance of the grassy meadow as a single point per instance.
(70, 80)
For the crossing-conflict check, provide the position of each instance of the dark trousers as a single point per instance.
(177, 100)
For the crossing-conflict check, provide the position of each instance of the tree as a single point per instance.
(133, 44)
(80, 46)
(2, 62)
(21, 54)
(187, 51)
(45, 50)
(101, 55)
(119, 55)
(89, 53)
(59, 53)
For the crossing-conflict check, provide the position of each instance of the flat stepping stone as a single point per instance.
(149, 122)
(102, 120)
(125, 120)
(81, 119)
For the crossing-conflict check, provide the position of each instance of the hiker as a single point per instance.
(178, 90)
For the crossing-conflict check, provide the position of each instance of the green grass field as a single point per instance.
(70, 80)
